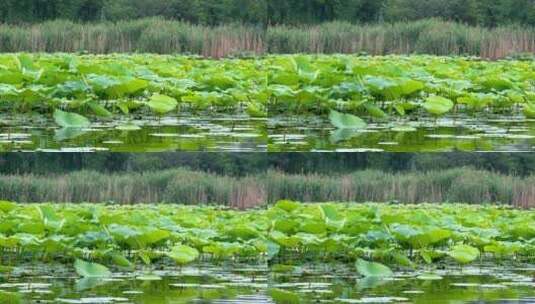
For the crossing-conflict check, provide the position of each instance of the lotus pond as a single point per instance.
(67, 102)
(144, 134)
(287, 253)
(400, 104)
(263, 284)
(305, 102)
(486, 134)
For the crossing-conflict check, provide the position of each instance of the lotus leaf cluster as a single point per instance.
(395, 86)
(368, 235)
(102, 86)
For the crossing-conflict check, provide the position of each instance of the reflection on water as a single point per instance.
(497, 134)
(328, 283)
(225, 133)
(278, 134)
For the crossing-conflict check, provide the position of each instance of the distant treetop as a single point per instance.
(474, 12)
(262, 12)
(209, 12)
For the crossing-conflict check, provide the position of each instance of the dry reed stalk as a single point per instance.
(346, 189)
(524, 195)
(247, 195)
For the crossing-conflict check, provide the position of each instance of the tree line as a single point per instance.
(243, 164)
(474, 12)
(272, 12)
(207, 12)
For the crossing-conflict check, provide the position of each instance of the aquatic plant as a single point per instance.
(75, 87)
(349, 87)
(370, 235)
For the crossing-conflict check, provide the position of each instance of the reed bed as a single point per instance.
(152, 35)
(465, 185)
(158, 35)
(429, 36)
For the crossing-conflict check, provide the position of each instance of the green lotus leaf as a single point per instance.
(374, 110)
(346, 121)
(437, 105)
(10, 297)
(121, 260)
(162, 104)
(6, 206)
(529, 110)
(464, 254)
(183, 254)
(91, 270)
(287, 205)
(372, 269)
(281, 296)
(329, 211)
(410, 86)
(127, 86)
(70, 120)
(99, 110)
(496, 83)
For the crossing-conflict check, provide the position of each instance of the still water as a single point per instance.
(237, 283)
(483, 134)
(182, 133)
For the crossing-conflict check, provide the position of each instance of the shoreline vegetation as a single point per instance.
(184, 186)
(158, 35)
(429, 36)
(150, 35)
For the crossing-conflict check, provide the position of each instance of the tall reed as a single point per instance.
(429, 36)
(152, 35)
(157, 35)
(185, 186)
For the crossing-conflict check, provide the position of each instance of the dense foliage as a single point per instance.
(475, 12)
(379, 87)
(198, 11)
(287, 233)
(104, 86)
(241, 164)
(158, 35)
(480, 12)
(383, 87)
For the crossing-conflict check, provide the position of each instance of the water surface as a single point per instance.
(153, 134)
(236, 283)
(461, 133)
(236, 133)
